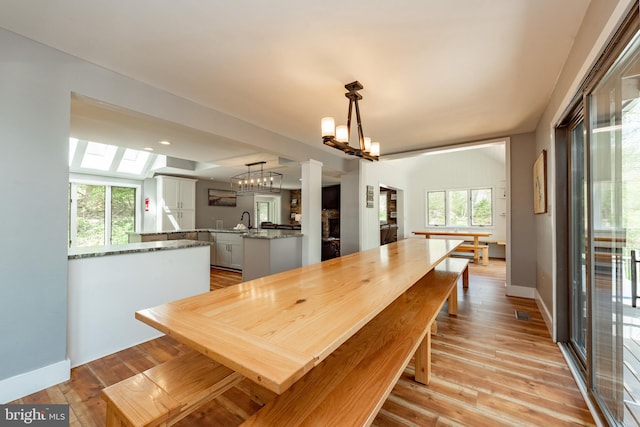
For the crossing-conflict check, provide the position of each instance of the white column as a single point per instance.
(311, 212)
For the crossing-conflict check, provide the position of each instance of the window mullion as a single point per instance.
(107, 215)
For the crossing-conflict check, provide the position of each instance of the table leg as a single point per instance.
(476, 243)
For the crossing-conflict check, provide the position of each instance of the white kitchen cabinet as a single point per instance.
(212, 253)
(176, 203)
(229, 251)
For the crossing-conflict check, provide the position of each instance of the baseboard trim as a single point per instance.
(520, 291)
(546, 316)
(30, 382)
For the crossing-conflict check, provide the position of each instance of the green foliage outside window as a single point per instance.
(460, 208)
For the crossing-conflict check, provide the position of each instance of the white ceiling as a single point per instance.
(434, 72)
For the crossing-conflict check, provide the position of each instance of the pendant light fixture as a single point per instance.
(257, 181)
(338, 137)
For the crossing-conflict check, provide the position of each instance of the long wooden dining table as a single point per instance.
(461, 235)
(275, 329)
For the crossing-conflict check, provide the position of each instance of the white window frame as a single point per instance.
(108, 183)
(274, 208)
(469, 207)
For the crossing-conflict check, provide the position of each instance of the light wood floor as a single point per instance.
(489, 369)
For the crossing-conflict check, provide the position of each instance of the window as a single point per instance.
(100, 214)
(383, 207)
(460, 208)
(481, 212)
(263, 212)
(267, 209)
(436, 212)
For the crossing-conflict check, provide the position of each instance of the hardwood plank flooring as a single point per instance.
(220, 278)
(488, 369)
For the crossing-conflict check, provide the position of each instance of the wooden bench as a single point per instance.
(476, 250)
(350, 386)
(166, 393)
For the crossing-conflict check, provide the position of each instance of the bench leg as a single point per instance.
(465, 277)
(423, 360)
(485, 256)
(453, 301)
(113, 419)
(260, 395)
(476, 255)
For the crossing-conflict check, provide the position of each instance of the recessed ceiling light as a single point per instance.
(165, 142)
(148, 148)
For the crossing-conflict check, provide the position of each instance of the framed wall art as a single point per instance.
(369, 196)
(540, 183)
(222, 197)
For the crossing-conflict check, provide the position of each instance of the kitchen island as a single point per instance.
(255, 252)
(270, 251)
(108, 284)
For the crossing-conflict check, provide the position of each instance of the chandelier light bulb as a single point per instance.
(375, 148)
(328, 126)
(342, 133)
(367, 144)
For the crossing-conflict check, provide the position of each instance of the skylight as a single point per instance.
(98, 156)
(95, 158)
(133, 161)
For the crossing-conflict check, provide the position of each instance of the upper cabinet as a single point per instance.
(176, 203)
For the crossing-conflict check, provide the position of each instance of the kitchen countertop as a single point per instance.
(253, 233)
(271, 234)
(129, 248)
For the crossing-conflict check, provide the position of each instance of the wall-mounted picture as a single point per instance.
(222, 197)
(369, 196)
(540, 184)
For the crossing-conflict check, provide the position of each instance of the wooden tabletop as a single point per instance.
(429, 233)
(274, 329)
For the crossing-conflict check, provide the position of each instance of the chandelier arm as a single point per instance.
(349, 120)
(360, 132)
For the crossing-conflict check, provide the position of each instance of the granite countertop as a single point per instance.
(130, 248)
(195, 230)
(271, 234)
(253, 233)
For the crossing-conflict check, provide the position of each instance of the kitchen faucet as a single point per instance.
(242, 218)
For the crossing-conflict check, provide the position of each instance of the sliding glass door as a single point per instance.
(602, 134)
(578, 233)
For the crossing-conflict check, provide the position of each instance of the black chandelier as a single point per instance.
(338, 137)
(257, 181)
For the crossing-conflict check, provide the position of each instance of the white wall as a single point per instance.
(384, 173)
(480, 167)
(34, 139)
